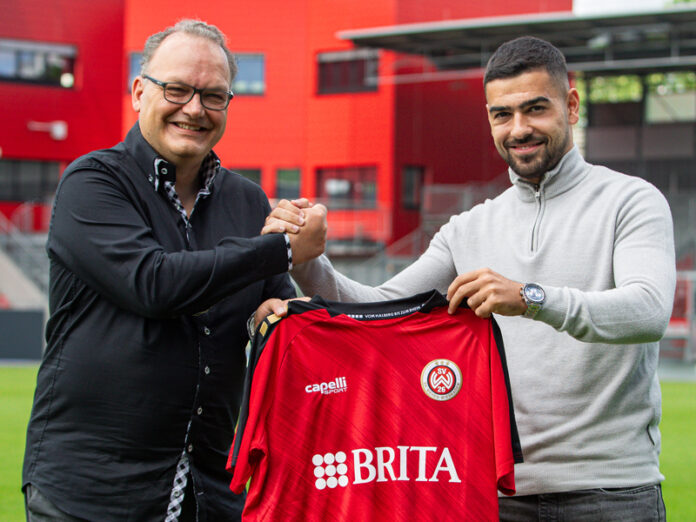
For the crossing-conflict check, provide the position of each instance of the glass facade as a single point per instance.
(251, 75)
(288, 183)
(36, 62)
(28, 180)
(348, 187)
(252, 174)
(412, 186)
(347, 71)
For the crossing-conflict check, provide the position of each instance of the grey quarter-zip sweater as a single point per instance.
(583, 372)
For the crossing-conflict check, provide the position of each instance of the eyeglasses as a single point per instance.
(181, 94)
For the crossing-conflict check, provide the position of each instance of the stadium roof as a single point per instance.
(648, 40)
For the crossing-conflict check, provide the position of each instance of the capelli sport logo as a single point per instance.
(441, 379)
(338, 385)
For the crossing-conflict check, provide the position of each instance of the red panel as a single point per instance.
(351, 129)
(268, 131)
(92, 109)
(440, 125)
(28, 217)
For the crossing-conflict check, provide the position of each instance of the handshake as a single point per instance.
(305, 224)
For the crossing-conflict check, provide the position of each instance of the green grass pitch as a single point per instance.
(678, 460)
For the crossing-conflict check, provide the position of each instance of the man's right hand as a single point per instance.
(305, 224)
(288, 216)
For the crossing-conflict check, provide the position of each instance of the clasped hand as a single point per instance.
(486, 292)
(305, 224)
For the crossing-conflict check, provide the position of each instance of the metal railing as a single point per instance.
(440, 202)
(679, 341)
(27, 251)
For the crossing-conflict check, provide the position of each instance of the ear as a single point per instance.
(573, 105)
(137, 93)
(488, 116)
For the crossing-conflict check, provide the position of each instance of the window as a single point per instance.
(347, 71)
(252, 174)
(28, 180)
(348, 187)
(288, 183)
(250, 79)
(411, 186)
(670, 97)
(133, 68)
(615, 89)
(251, 75)
(35, 62)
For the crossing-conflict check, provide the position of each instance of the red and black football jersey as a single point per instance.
(381, 411)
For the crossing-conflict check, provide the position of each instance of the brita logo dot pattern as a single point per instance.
(330, 470)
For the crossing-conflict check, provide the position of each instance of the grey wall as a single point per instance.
(21, 334)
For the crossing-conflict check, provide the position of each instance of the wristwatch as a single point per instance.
(534, 296)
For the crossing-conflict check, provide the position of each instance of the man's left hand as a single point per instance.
(486, 292)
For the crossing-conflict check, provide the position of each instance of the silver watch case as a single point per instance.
(534, 296)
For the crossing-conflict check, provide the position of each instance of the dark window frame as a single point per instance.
(360, 184)
(39, 63)
(285, 188)
(237, 87)
(412, 180)
(349, 71)
(251, 173)
(28, 180)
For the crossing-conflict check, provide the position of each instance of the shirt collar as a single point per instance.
(570, 170)
(165, 172)
(158, 170)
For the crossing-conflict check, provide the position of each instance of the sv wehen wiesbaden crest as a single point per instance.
(441, 379)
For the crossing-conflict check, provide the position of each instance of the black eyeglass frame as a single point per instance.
(195, 91)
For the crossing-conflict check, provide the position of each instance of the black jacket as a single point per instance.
(146, 335)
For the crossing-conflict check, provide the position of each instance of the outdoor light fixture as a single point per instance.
(58, 129)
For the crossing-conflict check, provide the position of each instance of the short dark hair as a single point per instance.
(524, 54)
(193, 28)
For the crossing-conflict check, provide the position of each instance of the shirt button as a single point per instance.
(190, 448)
(206, 330)
(207, 370)
(199, 411)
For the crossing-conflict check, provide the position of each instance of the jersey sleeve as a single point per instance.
(250, 445)
(506, 439)
(250, 442)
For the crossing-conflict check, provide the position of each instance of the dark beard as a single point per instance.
(537, 165)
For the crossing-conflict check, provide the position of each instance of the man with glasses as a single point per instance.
(156, 265)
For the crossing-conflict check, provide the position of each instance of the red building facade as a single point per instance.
(61, 83)
(312, 115)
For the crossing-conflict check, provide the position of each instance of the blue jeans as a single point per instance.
(638, 504)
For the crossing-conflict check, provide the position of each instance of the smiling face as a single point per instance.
(531, 117)
(182, 134)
